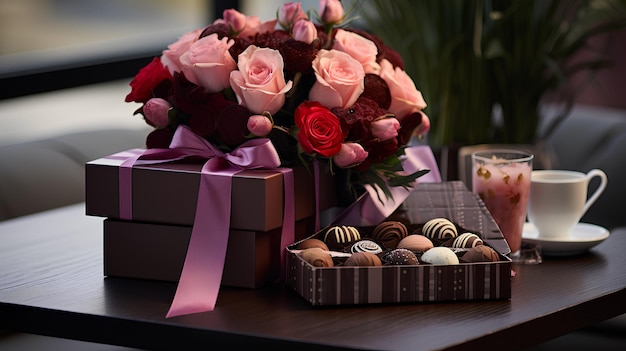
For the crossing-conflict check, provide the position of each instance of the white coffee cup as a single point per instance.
(558, 199)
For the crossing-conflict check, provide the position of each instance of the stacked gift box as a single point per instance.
(153, 244)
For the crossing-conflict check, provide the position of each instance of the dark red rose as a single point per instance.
(221, 29)
(273, 40)
(356, 121)
(200, 108)
(159, 138)
(377, 89)
(147, 79)
(408, 125)
(298, 56)
(232, 125)
(320, 130)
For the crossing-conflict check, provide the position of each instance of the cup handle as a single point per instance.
(603, 181)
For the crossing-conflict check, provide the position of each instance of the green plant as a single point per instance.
(473, 57)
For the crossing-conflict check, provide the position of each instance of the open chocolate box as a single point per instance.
(423, 282)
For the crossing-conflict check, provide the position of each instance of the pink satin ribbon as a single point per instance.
(201, 276)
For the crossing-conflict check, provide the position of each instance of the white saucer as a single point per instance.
(582, 237)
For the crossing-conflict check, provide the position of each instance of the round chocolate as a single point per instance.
(416, 243)
(389, 233)
(440, 255)
(341, 236)
(466, 241)
(310, 243)
(400, 257)
(363, 259)
(440, 228)
(481, 253)
(317, 257)
(366, 246)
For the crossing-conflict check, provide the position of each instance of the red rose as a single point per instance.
(320, 130)
(147, 79)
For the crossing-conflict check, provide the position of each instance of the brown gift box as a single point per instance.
(167, 193)
(343, 285)
(157, 252)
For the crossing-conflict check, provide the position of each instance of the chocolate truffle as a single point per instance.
(363, 259)
(389, 233)
(416, 243)
(317, 257)
(340, 236)
(310, 243)
(440, 255)
(481, 253)
(400, 257)
(439, 228)
(366, 246)
(466, 241)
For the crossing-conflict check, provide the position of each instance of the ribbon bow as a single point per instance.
(201, 276)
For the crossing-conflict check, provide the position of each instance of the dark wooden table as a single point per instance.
(51, 283)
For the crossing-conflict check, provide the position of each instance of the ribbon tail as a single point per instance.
(201, 276)
(289, 222)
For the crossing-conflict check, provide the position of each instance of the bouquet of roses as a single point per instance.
(314, 87)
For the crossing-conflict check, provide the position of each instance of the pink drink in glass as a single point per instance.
(502, 180)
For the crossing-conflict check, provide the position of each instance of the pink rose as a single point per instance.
(208, 63)
(171, 56)
(360, 48)
(304, 31)
(339, 79)
(290, 13)
(405, 98)
(259, 125)
(260, 82)
(156, 112)
(331, 11)
(351, 154)
(235, 20)
(385, 128)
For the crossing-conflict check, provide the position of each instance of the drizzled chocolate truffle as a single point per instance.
(389, 233)
(400, 257)
(467, 240)
(440, 229)
(363, 259)
(338, 237)
(317, 257)
(366, 246)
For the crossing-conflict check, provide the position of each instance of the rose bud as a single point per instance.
(331, 11)
(156, 112)
(385, 128)
(259, 125)
(289, 14)
(235, 20)
(351, 154)
(304, 31)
